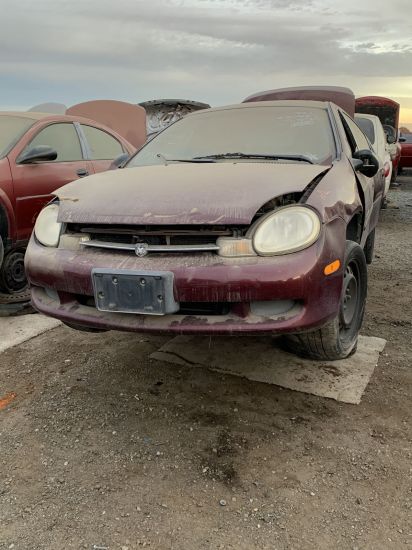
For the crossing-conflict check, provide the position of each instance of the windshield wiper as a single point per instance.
(299, 158)
(195, 159)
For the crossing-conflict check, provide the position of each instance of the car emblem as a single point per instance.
(141, 249)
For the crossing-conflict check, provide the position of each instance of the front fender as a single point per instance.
(7, 216)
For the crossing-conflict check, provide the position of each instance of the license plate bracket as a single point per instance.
(139, 292)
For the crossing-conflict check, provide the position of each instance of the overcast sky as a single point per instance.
(217, 51)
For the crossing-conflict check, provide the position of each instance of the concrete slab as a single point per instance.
(258, 359)
(16, 330)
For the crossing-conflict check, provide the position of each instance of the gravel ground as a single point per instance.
(103, 448)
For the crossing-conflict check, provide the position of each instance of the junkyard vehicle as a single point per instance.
(373, 129)
(387, 111)
(40, 152)
(406, 151)
(252, 218)
(340, 95)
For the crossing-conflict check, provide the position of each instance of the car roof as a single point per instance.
(40, 116)
(267, 104)
(35, 117)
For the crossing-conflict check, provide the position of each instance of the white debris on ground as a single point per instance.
(258, 359)
(16, 330)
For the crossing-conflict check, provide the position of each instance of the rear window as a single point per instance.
(12, 129)
(102, 145)
(407, 138)
(367, 128)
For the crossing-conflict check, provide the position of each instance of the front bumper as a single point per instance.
(62, 287)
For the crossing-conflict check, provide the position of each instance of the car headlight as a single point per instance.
(286, 230)
(47, 229)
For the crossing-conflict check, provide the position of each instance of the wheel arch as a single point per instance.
(7, 219)
(354, 227)
(4, 224)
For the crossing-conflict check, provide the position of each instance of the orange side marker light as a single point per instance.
(331, 268)
(7, 399)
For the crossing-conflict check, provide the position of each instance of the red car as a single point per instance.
(406, 151)
(250, 218)
(39, 153)
(387, 111)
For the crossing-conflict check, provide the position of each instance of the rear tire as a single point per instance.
(1, 252)
(12, 274)
(338, 338)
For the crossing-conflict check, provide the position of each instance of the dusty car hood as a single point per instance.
(218, 193)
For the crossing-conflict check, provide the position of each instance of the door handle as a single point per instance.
(81, 172)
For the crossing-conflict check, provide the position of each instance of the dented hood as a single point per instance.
(216, 193)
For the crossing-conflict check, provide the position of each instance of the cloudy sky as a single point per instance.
(217, 51)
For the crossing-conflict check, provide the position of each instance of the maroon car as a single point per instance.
(251, 218)
(406, 151)
(40, 152)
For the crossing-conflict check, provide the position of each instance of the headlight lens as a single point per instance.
(47, 229)
(287, 230)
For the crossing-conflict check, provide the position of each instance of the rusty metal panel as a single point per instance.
(341, 96)
(384, 108)
(162, 112)
(126, 119)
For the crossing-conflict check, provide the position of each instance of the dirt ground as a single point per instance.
(104, 448)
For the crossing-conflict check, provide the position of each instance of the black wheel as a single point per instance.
(338, 338)
(12, 275)
(395, 174)
(369, 247)
(1, 251)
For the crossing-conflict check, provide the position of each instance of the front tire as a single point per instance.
(338, 338)
(1, 252)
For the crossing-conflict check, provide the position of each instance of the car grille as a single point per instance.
(142, 240)
(185, 308)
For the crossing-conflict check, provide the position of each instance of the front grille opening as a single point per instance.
(88, 301)
(204, 308)
(158, 235)
(186, 308)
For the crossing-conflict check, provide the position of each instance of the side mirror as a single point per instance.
(390, 139)
(41, 153)
(366, 163)
(402, 140)
(119, 161)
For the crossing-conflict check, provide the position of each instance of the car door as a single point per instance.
(406, 151)
(34, 183)
(372, 187)
(103, 147)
